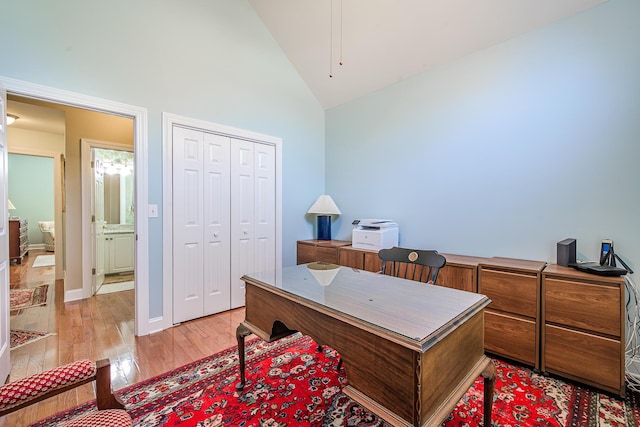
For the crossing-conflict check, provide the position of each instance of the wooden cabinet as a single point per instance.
(119, 252)
(460, 272)
(583, 327)
(512, 320)
(18, 239)
(319, 250)
(362, 259)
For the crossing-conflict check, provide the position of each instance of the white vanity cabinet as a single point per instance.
(119, 250)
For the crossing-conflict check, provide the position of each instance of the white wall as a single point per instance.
(213, 61)
(506, 151)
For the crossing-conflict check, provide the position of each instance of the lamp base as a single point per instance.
(324, 227)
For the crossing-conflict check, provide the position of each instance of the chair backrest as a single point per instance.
(412, 264)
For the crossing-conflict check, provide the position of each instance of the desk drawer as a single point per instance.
(510, 336)
(510, 292)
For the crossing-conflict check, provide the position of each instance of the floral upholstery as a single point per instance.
(25, 389)
(105, 418)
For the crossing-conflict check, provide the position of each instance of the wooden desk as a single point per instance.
(410, 350)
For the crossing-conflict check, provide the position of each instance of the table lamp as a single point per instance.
(324, 207)
(10, 207)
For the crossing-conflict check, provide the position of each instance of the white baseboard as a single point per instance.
(73, 295)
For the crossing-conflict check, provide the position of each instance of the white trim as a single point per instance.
(139, 114)
(73, 295)
(168, 121)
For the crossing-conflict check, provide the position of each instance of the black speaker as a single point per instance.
(566, 252)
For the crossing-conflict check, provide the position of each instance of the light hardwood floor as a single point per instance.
(102, 327)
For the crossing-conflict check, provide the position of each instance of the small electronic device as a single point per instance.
(607, 265)
(606, 247)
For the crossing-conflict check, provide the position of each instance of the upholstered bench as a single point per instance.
(34, 388)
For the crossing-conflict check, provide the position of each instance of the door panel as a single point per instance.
(265, 208)
(97, 225)
(5, 363)
(242, 217)
(217, 268)
(187, 225)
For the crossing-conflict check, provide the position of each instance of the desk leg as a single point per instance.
(489, 375)
(241, 333)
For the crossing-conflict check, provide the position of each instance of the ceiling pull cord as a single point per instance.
(341, 1)
(331, 39)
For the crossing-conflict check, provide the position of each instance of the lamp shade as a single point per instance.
(324, 206)
(11, 207)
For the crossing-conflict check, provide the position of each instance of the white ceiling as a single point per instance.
(384, 41)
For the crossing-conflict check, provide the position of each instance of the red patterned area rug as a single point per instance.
(27, 297)
(290, 384)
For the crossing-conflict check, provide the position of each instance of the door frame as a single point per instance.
(86, 146)
(170, 120)
(143, 324)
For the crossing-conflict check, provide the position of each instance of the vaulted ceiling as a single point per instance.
(384, 41)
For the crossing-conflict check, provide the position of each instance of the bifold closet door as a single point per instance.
(201, 224)
(253, 207)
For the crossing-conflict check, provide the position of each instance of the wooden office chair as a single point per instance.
(37, 387)
(412, 264)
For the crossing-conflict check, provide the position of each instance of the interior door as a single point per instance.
(97, 216)
(5, 363)
(188, 233)
(217, 249)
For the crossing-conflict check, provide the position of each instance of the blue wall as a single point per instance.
(209, 60)
(31, 191)
(506, 151)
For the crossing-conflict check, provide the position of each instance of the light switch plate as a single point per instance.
(153, 211)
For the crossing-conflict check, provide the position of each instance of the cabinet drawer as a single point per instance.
(351, 258)
(510, 292)
(583, 305)
(329, 255)
(372, 262)
(510, 336)
(587, 358)
(306, 253)
(456, 277)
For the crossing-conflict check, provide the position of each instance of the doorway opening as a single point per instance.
(63, 99)
(108, 188)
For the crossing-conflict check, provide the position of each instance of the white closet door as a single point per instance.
(265, 208)
(217, 249)
(252, 213)
(188, 230)
(242, 217)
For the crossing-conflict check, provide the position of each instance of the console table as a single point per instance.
(319, 250)
(410, 356)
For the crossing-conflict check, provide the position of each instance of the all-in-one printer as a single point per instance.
(374, 234)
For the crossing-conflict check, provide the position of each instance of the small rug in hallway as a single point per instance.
(21, 298)
(20, 338)
(290, 384)
(44, 261)
(108, 288)
(122, 277)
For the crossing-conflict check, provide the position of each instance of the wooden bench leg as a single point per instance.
(104, 397)
(489, 375)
